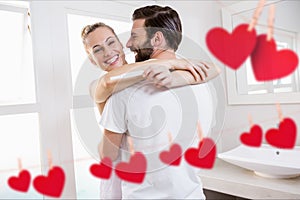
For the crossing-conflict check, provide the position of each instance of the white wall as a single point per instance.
(198, 17)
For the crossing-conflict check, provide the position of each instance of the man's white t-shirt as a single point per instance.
(148, 115)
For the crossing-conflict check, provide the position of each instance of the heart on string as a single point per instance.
(51, 185)
(204, 156)
(102, 170)
(284, 136)
(254, 138)
(135, 170)
(172, 157)
(20, 183)
(232, 49)
(268, 63)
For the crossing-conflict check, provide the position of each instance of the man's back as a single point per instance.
(148, 114)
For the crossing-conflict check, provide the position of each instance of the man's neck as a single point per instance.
(163, 54)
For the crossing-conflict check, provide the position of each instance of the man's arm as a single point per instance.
(110, 144)
(182, 78)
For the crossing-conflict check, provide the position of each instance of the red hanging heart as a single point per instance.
(232, 49)
(204, 156)
(285, 136)
(172, 157)
(102, 170)
(254, 138)
(51, 185)
(20, 183)
(268, 63)
(135, 170)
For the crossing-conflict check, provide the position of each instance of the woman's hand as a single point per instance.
(199, 69)
(159, 74)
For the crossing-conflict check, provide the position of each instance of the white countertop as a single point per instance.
(230, 179)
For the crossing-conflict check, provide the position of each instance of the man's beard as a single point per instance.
(143, 53)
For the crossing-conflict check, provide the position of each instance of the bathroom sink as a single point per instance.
(266, 161)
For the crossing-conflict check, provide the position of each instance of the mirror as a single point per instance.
(242, 86)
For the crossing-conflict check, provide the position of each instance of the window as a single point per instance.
(16, 72)
(19, 117)
(19, 135)
(249, 85)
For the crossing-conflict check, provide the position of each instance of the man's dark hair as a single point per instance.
(164, 19)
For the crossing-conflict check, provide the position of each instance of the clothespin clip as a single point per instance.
(199, 131)
(20, 164)
(271, 22)
(130, 143)
(170, 139)
(256, 15)
(250, 120)
(279, 111)
(50, 160)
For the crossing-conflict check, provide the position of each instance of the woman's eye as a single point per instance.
(97, 50)
(111, 42)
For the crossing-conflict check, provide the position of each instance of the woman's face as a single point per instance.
(105, 49)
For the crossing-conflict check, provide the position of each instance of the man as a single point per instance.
(148, 113)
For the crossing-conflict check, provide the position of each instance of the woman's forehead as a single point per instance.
(99, 36)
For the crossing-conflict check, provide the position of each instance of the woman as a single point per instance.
(106, 51)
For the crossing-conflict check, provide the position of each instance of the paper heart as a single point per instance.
(51, 185)
(102, 170)
(254, 138)
(20, 183)
(270, 64)
(204, 156)
(232, 49)
(172, 157)
(135, 170)
(285, 136)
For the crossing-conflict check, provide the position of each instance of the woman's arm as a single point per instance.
(110, 144)
(105, 86)
(102, 88)
(196, 70)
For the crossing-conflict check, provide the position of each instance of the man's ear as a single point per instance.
(158, 39)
